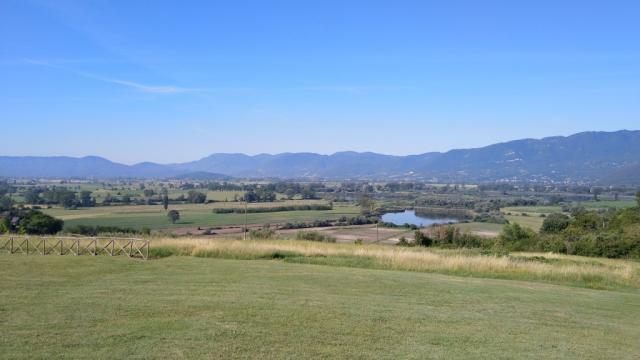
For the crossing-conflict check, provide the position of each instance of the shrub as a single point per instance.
(304, 225)
(196, 197)
(555, 223)
(37, 223)
(493, 218)
(173, 216)
(517, 238)
(87, 230)
(422, 240)
(403, 242)
(314, 236)
(264, 233)
(241, 210)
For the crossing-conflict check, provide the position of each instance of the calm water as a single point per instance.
(410, 217)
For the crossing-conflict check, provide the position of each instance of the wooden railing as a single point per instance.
(57, 245)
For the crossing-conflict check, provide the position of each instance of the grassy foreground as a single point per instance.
(186, 307)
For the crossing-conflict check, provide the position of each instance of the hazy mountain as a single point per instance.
(611, 157)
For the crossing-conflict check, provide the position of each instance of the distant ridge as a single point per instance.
(596, 157)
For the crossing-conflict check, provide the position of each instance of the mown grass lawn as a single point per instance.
(186, 307)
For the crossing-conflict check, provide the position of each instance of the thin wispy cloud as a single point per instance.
(154, 89)
(352, 89)
(142, 87)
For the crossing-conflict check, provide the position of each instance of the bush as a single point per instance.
(264, 233)
(241, 210)
(555, 223)
(492, 218)
(451, 237)
(173, 216)
(196, 197)
(314, 236)
(87, 230)
(37, 223)
(403, 242)
(304, 225)
(29, 221)
(517, 238)
(422, 240)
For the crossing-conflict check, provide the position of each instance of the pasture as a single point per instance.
(192, 215)
(188, 307)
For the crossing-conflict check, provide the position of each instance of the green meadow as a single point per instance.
(187, 307)
(191, 215)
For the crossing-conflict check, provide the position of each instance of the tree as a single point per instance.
(5, 203)
(366, 204)
(196, 197)
(5, 188)
(32, 196)
(250, 196)
(173, 216)
(165, 201)
(37, 223)
(308, 193)
(638, 198)
(555, 223)
(148, 193)
(290, 193)
(86, 200)
(516, 238)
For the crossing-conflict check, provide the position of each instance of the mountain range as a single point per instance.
(590, 157)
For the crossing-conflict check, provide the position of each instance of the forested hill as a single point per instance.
(605, 157)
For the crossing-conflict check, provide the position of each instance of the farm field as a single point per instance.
(483, 229)
(533, 222)
(186, 307)
(192, 215)
(589, 205)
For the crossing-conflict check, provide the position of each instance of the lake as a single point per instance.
(410, 217)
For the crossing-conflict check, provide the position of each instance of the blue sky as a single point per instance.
(175, 81)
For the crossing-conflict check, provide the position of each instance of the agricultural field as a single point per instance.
(483, 229)
(191, 307)
(589, 205)
(533, 222)
(154, 217)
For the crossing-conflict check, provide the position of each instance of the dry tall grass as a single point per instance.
(555, 268)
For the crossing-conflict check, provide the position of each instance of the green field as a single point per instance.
(479, 227)
(191, 215)
(590, 205)
(532, 210)
(533, 221)
(185, 307)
